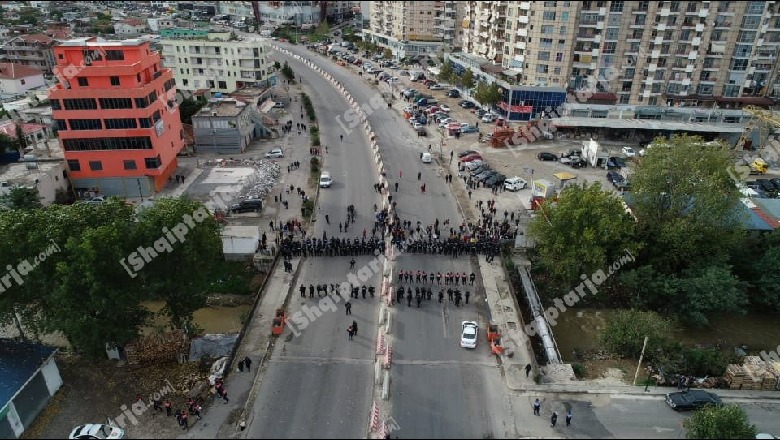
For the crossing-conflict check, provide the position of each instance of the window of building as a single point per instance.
(559, 57)
(115, 55)
(640, 20)
(557, 71)
(130, 165)
(751, 21)
(549, 4)
(742, 50)
(83, 81)
(548, 15)
(95, 165)
(115, 103)
(142, 102)
(731, 90)
(155, 116)
(746, 36)
(704, 89)
(74, 165)
(171, 83)
(547, 29)
(152, 96)
(55, 104)
(755, 8)
(659, 75)
(739, 64)
(115, 124)
(610, 46)
(614, 20)
(222, 85)
(60, 56)
(114, 80)
(542, 68)
(152, 163)
(616, 6)
(80, 104)
(60, 124)
(692, 6)
(564, 16)
(656, 88)
(145, 123)
(119, 143)
(672, 20)
(544, 56)
(612, 34)
(85, 124)
(545, 42)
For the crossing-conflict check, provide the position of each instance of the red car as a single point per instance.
(470, 158)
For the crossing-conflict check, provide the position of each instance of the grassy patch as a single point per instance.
(229, 277)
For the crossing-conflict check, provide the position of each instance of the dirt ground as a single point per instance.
(615, 370)
(93, 391)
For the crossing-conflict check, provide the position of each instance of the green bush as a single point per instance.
(315, 140)
(579, 371)
(314, 164)
(307, 209)
(625, 332)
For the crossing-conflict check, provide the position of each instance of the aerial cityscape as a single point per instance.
(389, 219)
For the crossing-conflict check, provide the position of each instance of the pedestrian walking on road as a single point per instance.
(527, 370)
(327, 219)
(396, 186)
(468, 294)
(348, 306)
(248, 363)
(241, 366)
(553, 419)
(537, 407)
(341, 136)
(168, 407)
(422, 188)
(419, 174)
(352, 263)
(355, 327)
(568, 418)
(350, 332)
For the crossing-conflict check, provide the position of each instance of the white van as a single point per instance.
(426, 158)
(325, 180)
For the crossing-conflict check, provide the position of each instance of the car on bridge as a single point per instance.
(691, 399)
(468, 335)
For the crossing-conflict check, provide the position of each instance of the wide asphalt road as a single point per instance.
(438, 390)
(318, 383)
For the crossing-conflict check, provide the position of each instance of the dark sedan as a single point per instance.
(613, 176)
(466, 153)
(547, 157)
(691, 399)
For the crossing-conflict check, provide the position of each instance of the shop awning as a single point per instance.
(564, 176)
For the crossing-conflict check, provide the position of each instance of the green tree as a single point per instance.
(387, 54)
(29, 16)
(625, 331)
(21, 198)
(188, 108)
(587, 230)
(165, 277)
(487, 95)
(720, 422)
(446, 73)
(287, 71)
(467, 79)
(684, 199)
(8, 143)
(21, 141)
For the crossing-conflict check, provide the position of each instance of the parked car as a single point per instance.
(496, 179)
(445, 108)
(481, 168)
(247, 205)
(436, 87)
(473, 164)
(468, 334)
(545, 156)
(485, 175)
(691, 399)
(444, 122)
(97, 431)
(766, 185)
(515, 184)
(468, 105)
(628, 151)
(612, 176)
(471, 158)
(453, 93)
(426, 158)
(480, 112)
(466, 153)
(276, 153)
(616, 162)
(469, 129)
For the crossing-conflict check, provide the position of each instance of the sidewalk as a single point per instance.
(591, 387)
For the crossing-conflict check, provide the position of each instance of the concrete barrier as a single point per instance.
(378, 373)
(386, 386)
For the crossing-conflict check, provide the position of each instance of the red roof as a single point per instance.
(37, 38)
(9, 128)
(133, 22)
(16, 71)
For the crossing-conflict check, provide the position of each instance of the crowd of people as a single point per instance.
(326, 289)
(333, 247)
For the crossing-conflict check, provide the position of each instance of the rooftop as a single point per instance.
(16, 71)
(37, 38)
(224, 107)
(647, 124)
(17, 173)
(9, 128)
(93, 42)
(18, 362)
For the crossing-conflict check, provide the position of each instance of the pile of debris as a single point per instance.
(754, 374)
(155, 348)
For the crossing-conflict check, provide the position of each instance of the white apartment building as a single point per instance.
(412, 28)
(293, 13)
(715, 53)
(217, 63)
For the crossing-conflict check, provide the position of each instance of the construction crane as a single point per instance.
(763, 120)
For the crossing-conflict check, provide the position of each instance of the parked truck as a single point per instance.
(593, 154)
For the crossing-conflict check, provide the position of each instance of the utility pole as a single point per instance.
(641, 356)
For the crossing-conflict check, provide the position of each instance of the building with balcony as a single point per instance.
(678, 53)
(411, 28)
(16, 79)
(218, 63)
(33, 50)
(116, 115)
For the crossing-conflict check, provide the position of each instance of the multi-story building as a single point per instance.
(225, 126)
(30, 50)
(217, 62)
(639, 53)
(116, 116)
(17, 79)
(131, 26)
(412, 28)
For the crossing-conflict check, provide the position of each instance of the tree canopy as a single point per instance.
(21, 198)
(720, 422)
(85, 288)
(487, 94)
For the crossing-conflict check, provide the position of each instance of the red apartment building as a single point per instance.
(117, 120)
